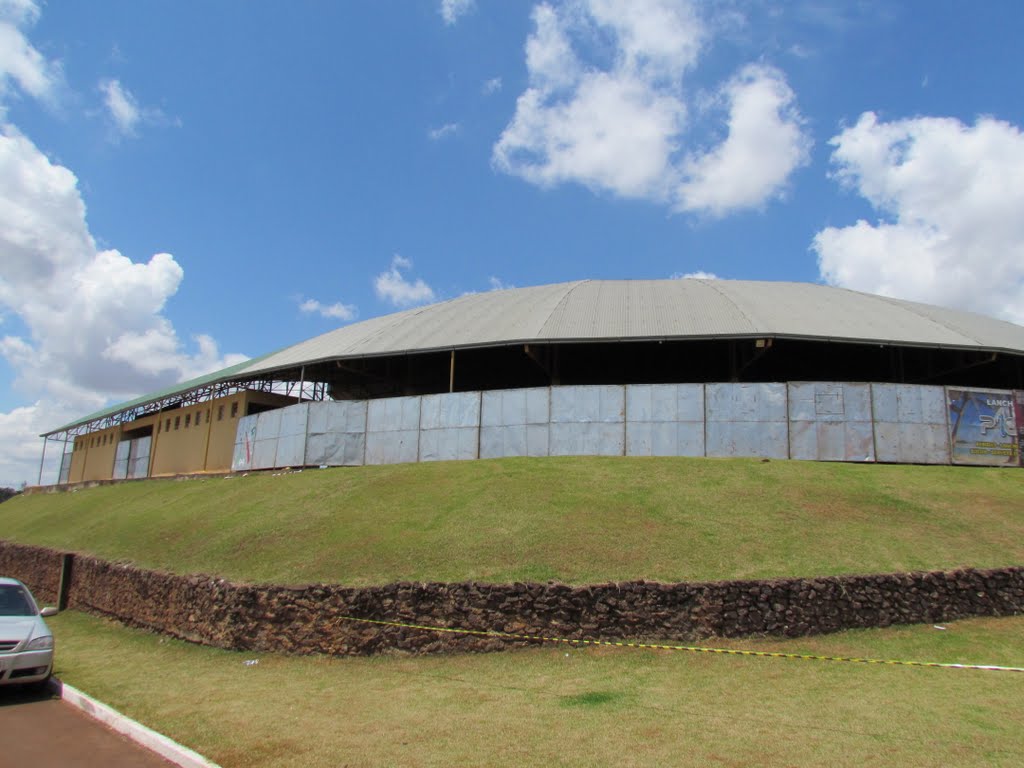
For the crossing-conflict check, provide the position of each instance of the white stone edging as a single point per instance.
(137, 732)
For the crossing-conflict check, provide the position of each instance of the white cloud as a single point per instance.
(698, 275)
(765, 143)
(446, 130)
(338, 311)
(949, 198)
(452, 10)
(497, 284)
(91, 327)
(491, 86)
(124, 110)
(391, 285)
(122, 106)
(615, 118)
(20, 62)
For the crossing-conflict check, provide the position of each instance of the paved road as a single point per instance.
(38, 730)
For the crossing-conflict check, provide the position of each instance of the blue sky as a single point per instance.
(186, 184)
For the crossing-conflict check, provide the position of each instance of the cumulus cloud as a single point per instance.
(337, 311)
(606, 107)
(446, 130)
(452, 10)
(20, 63)
(90, 325)
(491, 86)
(949, 198)
(392, 286)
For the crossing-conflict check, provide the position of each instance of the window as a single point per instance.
(234, 409)
(220, 412)
(167, 428)
(188, 419)
(199, 418)
(177, 422)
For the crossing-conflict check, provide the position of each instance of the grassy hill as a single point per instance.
(576, 520)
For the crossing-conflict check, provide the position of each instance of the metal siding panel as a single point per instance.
(909, 427)
(268, 425)
(392, 447)
(747, 438)
(245, 443)
(746, 402)
(587, 404)
(337, 416)
(829, 421)
(120, 470)
(394, 414)
(665, 420)
(335, 449)
(586, 439)
(291, 451)
(264, 454)
(451, 410)
(452, 444)
(294, 419)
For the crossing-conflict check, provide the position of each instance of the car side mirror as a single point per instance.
(49, 611)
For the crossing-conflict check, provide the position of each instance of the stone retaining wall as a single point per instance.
(312, 619)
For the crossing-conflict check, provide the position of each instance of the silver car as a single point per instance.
(26, 643)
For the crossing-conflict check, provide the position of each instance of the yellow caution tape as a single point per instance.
(689, 648)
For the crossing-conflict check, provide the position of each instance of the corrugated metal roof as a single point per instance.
(591, 310)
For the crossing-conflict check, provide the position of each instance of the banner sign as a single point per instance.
(1019, 422)
(983, 427)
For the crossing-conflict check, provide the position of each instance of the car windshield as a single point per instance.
(14, 601)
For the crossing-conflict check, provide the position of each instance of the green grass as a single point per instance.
(563, 706)
(575, 520)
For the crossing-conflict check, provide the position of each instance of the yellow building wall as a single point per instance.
(92, 457)
(195, 438)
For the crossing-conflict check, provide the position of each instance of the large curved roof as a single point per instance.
(592, 310)
(627, 310)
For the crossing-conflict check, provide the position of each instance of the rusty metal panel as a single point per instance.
(587, 421)
(336, 433)
(747, 420)
(910, 424)
(665, 420)
(830, 421)
(982, 426)
(393, 430)
(514, 422)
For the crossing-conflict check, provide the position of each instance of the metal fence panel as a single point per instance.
(394, 414)
(337, 416)
(268, 425)
(392, 447)
(747, 420)
(448, 444)
(336, 435)
(588, 404)
(665, 420)
(830, 421)
(294, 420)
(291, 451)
(264, 454)
(450, 410)
(515, 440)
(514, 407)
(910, 424)
(245, 443)
(586, 439)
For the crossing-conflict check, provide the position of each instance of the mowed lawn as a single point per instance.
(575, 520)
(566, 706)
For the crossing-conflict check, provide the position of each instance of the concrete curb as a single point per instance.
(137, 732)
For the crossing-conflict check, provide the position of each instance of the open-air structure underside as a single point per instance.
(737, 357)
